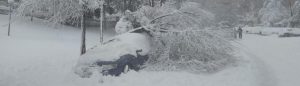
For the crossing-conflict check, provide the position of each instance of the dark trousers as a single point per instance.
(240, 35)
(131, 61)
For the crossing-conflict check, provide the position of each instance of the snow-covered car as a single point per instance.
(127, 49)
(291, 33)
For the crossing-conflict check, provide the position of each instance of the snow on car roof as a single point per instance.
(123, 44)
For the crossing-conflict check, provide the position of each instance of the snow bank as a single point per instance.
(39, 55)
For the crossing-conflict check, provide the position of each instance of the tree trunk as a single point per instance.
(129, 6)
(31, 16)
(83, 33)
(291, 13)
(161, 2)
(101, 22)
(104, 19)
(290, 5)
(124, 6)
(151, 2)
(9, 21)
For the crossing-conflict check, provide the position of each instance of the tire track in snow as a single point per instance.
(264, 73)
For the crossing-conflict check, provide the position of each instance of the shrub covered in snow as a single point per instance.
(125, 23)
(194, 51)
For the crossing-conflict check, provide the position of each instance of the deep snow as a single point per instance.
(39, 55)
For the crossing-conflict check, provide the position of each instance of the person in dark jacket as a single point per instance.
(129, 60)
(240, 32)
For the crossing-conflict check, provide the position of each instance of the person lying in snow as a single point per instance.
(128, 60)
(127, 49)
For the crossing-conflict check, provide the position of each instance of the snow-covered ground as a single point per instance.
(280, 54)
(38, 55)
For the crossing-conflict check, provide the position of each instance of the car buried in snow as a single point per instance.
(125, 51)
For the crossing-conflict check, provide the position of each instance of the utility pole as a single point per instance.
(9, 21)
(101, 20)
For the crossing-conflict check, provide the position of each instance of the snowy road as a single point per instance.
(282, 55)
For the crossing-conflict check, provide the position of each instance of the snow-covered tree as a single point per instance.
(273, 12)
(55, 11)
(167, 16)
(295, 18)
(248, 11)
(10, 1)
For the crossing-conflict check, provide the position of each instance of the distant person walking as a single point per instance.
(240, 32)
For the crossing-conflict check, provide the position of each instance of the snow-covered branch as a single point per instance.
(180, 41)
